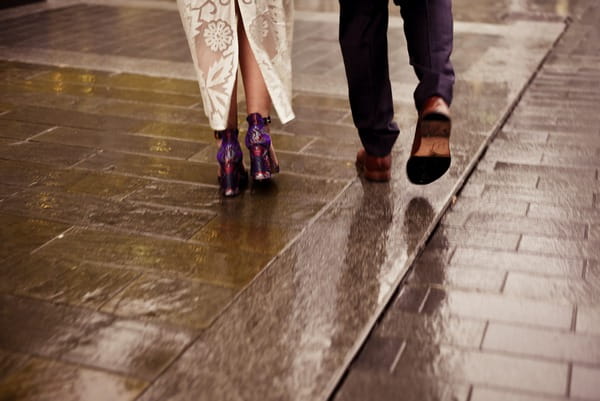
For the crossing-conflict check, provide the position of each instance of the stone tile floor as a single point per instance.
(119, 251)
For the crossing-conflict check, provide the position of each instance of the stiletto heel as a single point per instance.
(232, 174)
(263, 161)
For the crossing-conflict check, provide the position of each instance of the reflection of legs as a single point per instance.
(363, 41)
(263, 161)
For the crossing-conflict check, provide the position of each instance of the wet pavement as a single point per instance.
(121, 268)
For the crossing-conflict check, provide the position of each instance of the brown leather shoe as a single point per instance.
(430, 155)
(374, 168)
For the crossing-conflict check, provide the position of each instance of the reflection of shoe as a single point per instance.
(374, 168)
(232, 174)
(430, 155)
(263, 161)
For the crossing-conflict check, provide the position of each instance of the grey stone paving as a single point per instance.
(504, 301)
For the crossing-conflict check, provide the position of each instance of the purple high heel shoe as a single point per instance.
(232, 174)
(263, 161)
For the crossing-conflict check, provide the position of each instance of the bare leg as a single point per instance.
(264, 162)
(232, 122)
(257, 96)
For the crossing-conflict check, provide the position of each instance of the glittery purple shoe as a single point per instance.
(232, 174)
(263, 161)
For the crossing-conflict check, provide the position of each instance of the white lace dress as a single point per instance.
(210, 27)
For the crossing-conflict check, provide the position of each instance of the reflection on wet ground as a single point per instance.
(118, 246)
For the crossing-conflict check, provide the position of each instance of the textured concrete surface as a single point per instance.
(121, 266)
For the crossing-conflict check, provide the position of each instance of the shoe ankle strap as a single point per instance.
(227, 134)
(256, 118)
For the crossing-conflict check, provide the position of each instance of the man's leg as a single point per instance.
(363, 40)
(428, 30)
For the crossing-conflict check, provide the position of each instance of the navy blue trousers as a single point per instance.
(363, 40)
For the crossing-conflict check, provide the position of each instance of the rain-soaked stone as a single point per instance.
(499, 308)
(262, 205)
(102, 184)
(184, 303)
(49, 153)
(579, 214)
(548, 171)
(121, 142)
(152, 112)
(333, 149)
(559, 247)
(73, 75)
(425, 330)
(136, 81)
(22, 173)
(473, 366)
(178, 195)
(141, 95)
(192, 132)
(21, 274)
(333, 132)
(321, 102)
(362, 385)
(11, 71)
(68, 280)
(21, 235)
(247, 235)
(226, 266)
(584, 382)
(571, 184)
(314, 113)
(526, 225)
(565, 199)
(10, 361)
(156, 167)
(136, 349)
(7, 191)
(564, 290)
(380, 353)
(482, 393)
(474, 237)
(20, 130)
(45, 380)
(83, 209)
(316, 166)
(49, 329)
(71, 118)
(500, 260)
(457, 277)
(559, 346)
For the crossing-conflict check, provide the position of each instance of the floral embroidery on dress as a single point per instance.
(218, 35)
(260, 27)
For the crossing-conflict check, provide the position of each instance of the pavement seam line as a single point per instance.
(58, 236)
(397, 357)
